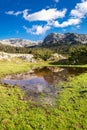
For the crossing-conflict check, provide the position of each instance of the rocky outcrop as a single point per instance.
(9, 56)
(71, 38)
(56, 57)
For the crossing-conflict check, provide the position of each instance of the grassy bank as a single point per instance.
(72, 104)
(13, 67)
(17, 66)
(69, 113)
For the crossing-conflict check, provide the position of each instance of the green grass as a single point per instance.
(13, 67)
(17, 66)
(69, 113)
(73, 103)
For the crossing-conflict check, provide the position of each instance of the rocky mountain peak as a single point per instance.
(53, 38)
(56, 38)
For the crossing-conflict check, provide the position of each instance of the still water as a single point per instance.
(39, 84)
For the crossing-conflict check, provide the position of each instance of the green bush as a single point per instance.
(78, 55)
(44, 53)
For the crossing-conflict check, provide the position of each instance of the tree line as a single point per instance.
(77, 53)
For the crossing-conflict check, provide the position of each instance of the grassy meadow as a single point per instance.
(69, 112)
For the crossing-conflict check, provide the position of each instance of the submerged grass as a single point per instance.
(69, 113)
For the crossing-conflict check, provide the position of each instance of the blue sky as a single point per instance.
(35, 19)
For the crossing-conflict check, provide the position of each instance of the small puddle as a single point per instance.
(40, 83)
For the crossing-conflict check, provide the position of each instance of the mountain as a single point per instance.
(53, 38)
(71, 38)
(20, 42)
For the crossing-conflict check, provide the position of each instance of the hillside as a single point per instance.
(70, 45)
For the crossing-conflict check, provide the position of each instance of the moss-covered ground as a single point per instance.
(69, 113)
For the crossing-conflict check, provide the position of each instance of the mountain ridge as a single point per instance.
(50, 39)
(18, 42)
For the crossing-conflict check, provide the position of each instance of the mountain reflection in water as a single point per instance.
(42, 80)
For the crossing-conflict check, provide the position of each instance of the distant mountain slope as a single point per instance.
(71, 38)
(20, 42)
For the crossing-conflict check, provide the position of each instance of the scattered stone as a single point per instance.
(9, 56)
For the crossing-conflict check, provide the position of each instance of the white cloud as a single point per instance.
(9, 12)
(80, 10)
(76, 16)
(13, 13)
(78, 26)
(69, 22)
(37, 29)
(47, 15)
(56, 1)
(44, 15)
(51, 16)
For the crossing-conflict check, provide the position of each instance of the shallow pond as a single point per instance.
(39, 84)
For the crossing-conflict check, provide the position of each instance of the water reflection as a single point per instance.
(42, 81)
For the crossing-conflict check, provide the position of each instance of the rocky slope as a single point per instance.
(55, 38)
(20, 42)
(9, 56)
